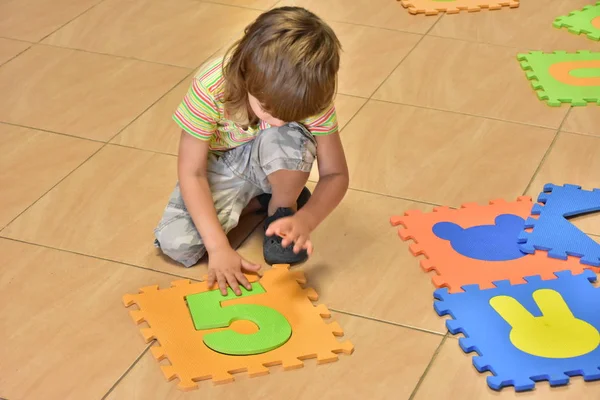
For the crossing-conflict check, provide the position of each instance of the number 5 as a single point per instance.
(207, 313)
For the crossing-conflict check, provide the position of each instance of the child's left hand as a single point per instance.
(293, 230)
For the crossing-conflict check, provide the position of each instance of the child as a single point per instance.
(253, 123)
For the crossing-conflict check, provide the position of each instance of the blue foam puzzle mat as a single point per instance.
(488, 333)
(553, 233)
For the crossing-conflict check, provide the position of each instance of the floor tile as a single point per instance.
(11, 48)
(156, 131)
(361, 266)
(573, 159)
(528, 27)
(583, 120)
(378, 13)
(369, 56)
(452, 376)
(70, 336)
(368, 373)
(111, 205)
(82, 94)
(258, 4)
(34, 19)
(177, 32)
(32, 162)
(440, 157)
(456, 76)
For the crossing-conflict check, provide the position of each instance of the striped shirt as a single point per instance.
(202, 113)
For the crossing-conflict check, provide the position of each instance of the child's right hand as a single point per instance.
(225, 267)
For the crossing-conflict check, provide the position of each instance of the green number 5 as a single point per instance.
(207, 313)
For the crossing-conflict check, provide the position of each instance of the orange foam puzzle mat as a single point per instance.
(276, 298)
(434, 7)
(458, 261)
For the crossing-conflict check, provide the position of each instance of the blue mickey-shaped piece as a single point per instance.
(496, 242)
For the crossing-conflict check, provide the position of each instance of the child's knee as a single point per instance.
(180, 241)
(289, 147)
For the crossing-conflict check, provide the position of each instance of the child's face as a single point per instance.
(262, 114)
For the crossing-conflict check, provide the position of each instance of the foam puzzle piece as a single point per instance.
(585, 21)
(207, 313)
(553, 233)
(494, 242)
(562, 77)
(541, 330)
(454, 269)
(170, 323)
(434, 7)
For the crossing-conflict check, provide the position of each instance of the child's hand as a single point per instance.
(293, 230)
(225, 267)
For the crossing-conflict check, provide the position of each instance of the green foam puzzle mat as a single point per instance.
(585, 21)
(562, 77)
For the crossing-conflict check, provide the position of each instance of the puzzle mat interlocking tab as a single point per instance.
(553, 233)
(170, 323)
(560, 77)
(434, 7)
(560, 326)
(585, 21)
(454, 269)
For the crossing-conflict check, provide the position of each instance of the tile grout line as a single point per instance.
(235, 5)
(51, 188)
(71, 20)
(142, 354)
(548, 151)
(113, 55)
(387, 322)
(433, 357)
(123, 263)
(404, 58)
(466, 114)
(191, 72)
(12, 58)
(52, 132)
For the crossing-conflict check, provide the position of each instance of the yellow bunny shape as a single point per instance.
(555, 334)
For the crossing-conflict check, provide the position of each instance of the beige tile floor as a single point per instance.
(434, 110)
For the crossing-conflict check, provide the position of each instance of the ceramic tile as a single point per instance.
(258, 4)
(361, 266)
(81, 94)
(381, 13)
(177, 32)
(156, 131)
(573, 159)
(387, 363)
(584, 120)
(528, 27)
(111, 205)
(11, 48)
(32, 162)
(452, 376)
(440, 157)
(70, 336)
(369, 56)
(472, 78)
(34, 19)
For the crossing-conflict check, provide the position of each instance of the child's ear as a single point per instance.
(447, 230)
(510, 220)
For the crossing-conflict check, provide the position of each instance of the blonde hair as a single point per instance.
(288, 59)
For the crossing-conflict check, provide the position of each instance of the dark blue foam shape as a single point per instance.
(487, 333)
(485, 242)
(553, 233)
